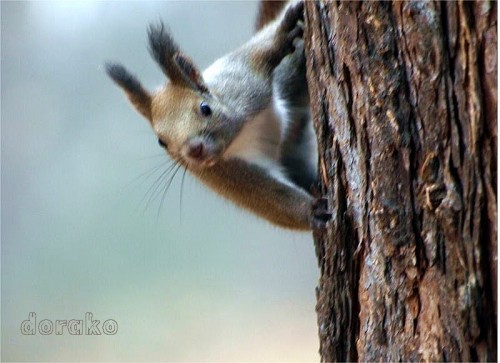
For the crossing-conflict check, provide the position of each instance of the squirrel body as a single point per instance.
(242, 126)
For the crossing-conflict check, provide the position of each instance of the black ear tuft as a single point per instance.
(190, 73)
(162, 47)
(139, 97)
(122, 77)
(176, 66)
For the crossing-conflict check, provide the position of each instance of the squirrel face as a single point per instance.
(190, 122)
(182, 124)
(192, 126)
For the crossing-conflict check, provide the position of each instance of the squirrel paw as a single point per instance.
(320, 213)
(290, 28)
(293, 15)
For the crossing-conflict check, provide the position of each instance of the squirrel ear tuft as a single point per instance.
(162, 48)
(176, 65)
(190, 73)
(138, 96)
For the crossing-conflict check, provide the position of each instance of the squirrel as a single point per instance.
(243, 126)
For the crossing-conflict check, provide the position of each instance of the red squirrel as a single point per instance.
(243, 126)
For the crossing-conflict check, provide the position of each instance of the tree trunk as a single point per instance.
(404, 102)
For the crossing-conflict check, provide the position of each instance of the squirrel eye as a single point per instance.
(162, 144)
(205, 109)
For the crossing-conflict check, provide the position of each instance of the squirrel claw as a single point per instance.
(297, 32)
(320, 213)
(315, 191)
(294, 14)
(292, 27)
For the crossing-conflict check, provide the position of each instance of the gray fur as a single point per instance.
(232, 72)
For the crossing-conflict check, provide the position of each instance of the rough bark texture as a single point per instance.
(404, 102)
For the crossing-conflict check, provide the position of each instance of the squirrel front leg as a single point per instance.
(253, 188)
(275, 41)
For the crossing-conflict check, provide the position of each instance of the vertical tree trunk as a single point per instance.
(404, 102)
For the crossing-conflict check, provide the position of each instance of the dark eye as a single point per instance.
(162, 144)
(205, 109)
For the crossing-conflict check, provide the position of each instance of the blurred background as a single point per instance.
(83, 228)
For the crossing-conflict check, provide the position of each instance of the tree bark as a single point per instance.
(404, 102)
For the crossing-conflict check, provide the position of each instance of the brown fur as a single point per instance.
(174, 109)
(268, 11)
(251, 188)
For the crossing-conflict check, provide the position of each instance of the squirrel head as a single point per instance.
(190, 122)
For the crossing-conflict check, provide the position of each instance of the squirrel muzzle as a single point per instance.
(201, 151)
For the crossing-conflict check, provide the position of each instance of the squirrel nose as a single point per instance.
(200, 151)
(196, 150)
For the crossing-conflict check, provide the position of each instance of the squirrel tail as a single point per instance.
(268, 11)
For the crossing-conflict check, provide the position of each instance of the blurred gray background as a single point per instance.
(199, 281)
